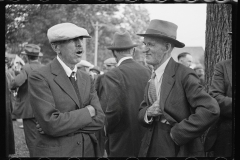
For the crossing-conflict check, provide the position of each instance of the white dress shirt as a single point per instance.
(67, 69)
(158, 82)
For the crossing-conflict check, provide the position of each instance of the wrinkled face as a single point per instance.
(186, 61)
(155, 50)
(71, 51)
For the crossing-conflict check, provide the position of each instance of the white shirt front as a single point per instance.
(123, 59)
(67, 69)
(158, 82)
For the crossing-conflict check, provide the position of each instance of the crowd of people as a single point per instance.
(160, 109)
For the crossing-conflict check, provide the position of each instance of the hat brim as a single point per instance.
(120, 48)
(174, 41)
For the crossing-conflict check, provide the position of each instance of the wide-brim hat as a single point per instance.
(164, 30)
(122, 41)
(66, 31)
(31, 49)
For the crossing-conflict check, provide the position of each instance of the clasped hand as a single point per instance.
(154, 110)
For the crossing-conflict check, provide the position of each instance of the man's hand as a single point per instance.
(154, 110)
(39, 128)
(91, 110)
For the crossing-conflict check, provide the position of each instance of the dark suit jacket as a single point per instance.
(10, 143)
(122, 92)
(69, 128)
(221, 90)
(186, 106)
(22, 109)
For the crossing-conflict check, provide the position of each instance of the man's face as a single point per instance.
(186, 61)
(154, 50)
(71, 51)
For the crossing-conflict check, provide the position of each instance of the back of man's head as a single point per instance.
(182, 55)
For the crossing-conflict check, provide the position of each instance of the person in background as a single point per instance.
(94, 72)
(219, 141)
(123, 91)
(63, 98)
(200, 72)
(22, 108)
(176, 109)
(9, 134)
(109, 64)
(185, 58)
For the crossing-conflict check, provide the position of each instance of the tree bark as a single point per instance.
(218, 41)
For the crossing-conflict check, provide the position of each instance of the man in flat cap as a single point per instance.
(22, 108)
(109, 64)
(219, 137)
(123, 88)
(176, 110)
(64, 100)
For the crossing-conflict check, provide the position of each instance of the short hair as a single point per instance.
(183, 54)
(32, 57)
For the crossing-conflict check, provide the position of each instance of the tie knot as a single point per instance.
(73, 74)
(153, 75)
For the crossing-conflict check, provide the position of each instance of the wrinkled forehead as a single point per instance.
(153, 39)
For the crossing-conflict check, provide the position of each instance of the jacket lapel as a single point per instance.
(63, 81)
(166, 86)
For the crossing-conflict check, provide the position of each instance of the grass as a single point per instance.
(21, 149)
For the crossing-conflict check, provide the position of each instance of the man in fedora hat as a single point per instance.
(22, 108)
(120, 97)
(64, 99)
(176, 110)
(218, 142)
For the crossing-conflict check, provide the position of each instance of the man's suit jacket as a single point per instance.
(69, 128)
(186, 106)
(221, 90)
(122, 92)
(22, 109)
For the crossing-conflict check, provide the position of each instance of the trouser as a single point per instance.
(162, 144)
(30, 131)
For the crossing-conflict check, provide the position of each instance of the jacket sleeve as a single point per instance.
(218, 91)
(18, 80)
(52, 121)
(204, 111)
(98, 120)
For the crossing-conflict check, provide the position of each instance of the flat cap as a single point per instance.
(66, 31)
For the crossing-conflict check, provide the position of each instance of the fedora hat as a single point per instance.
(122, 41)
(163, 29)
(31, 49)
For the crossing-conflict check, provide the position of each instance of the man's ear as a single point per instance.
(55, 47)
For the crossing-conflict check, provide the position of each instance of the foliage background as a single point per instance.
(29, 24)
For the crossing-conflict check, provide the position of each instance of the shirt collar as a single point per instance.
(66, 68)
(160, 70)
(123, 59)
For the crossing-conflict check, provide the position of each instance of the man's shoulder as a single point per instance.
(44, 70)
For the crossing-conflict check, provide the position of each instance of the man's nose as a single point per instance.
(145, 49)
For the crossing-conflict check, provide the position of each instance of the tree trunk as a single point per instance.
(218, 41)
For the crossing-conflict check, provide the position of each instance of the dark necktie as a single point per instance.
(74, 83)
(152, 94)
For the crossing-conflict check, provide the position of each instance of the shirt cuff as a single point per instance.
(146, 119)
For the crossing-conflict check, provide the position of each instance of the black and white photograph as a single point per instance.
(120, 80)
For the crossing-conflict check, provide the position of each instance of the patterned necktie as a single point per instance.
(152, 94)
(74, 83)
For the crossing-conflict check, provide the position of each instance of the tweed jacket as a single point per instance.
(22, 108)
(186, 106)
(122, 92)
(69, 128)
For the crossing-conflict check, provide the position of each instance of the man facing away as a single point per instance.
(23, 109)
(64, 100)
(176, 110)
(121, 95)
